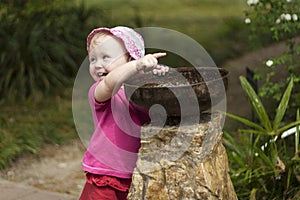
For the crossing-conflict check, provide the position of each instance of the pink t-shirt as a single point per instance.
(114, 146)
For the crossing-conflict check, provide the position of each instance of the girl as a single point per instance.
(115, 55)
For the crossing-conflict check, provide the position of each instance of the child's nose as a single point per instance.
(100, 64)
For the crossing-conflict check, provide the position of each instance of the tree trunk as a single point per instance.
(183, 162)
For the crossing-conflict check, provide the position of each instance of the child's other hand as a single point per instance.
(149, 62)
(160, 70)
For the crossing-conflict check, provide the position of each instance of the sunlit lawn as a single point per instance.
(202, 20)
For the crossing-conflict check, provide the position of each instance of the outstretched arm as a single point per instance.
(114, 79)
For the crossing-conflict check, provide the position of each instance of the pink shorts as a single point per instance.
(100, 187)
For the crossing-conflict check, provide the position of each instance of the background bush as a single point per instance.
(41, 48)
(42, 45)
(25, 129)
(264, 161)
(277, 21)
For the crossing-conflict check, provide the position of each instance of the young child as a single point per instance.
(115, 55)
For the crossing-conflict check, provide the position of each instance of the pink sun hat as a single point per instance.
(132, 40)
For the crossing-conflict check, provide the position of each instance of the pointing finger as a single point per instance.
(158, 55)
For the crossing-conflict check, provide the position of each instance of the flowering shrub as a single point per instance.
(278, 19)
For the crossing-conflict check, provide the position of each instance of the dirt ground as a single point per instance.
(58, 168)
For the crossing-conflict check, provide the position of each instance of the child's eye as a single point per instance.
(105, 57)
(92, 60)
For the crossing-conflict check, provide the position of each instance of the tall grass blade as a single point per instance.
(256, 104)
(230, 142)
(250, 131)
(267, 162)
(283, 105)
(245, 121)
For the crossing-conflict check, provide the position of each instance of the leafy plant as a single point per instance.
(262, 163)
(41, 46)
(26, 129)
(279, 20)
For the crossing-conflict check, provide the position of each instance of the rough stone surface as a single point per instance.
(182, 163)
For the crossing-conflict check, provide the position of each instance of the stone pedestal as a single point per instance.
(182, 162)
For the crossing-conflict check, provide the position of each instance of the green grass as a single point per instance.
(196, 18)
(25, 129)
(203, 20)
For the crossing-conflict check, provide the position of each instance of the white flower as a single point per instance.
(247, 21)
(282, 16)
(288, 1)
(295, 17)
(269, 63)
(278, 21)
(288, 17)
(252, 2)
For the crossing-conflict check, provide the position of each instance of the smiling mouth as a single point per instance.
(101, 74)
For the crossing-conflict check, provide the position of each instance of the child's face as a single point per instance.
(107, 55)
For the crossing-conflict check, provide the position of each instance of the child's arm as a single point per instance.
(114, 79)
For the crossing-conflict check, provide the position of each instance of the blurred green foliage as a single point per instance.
(25, 129)
(43, 42)
(42, 45)
(41, 48)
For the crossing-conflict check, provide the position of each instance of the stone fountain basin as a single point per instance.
(208, 86)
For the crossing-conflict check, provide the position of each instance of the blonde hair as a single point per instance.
(95, 41)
